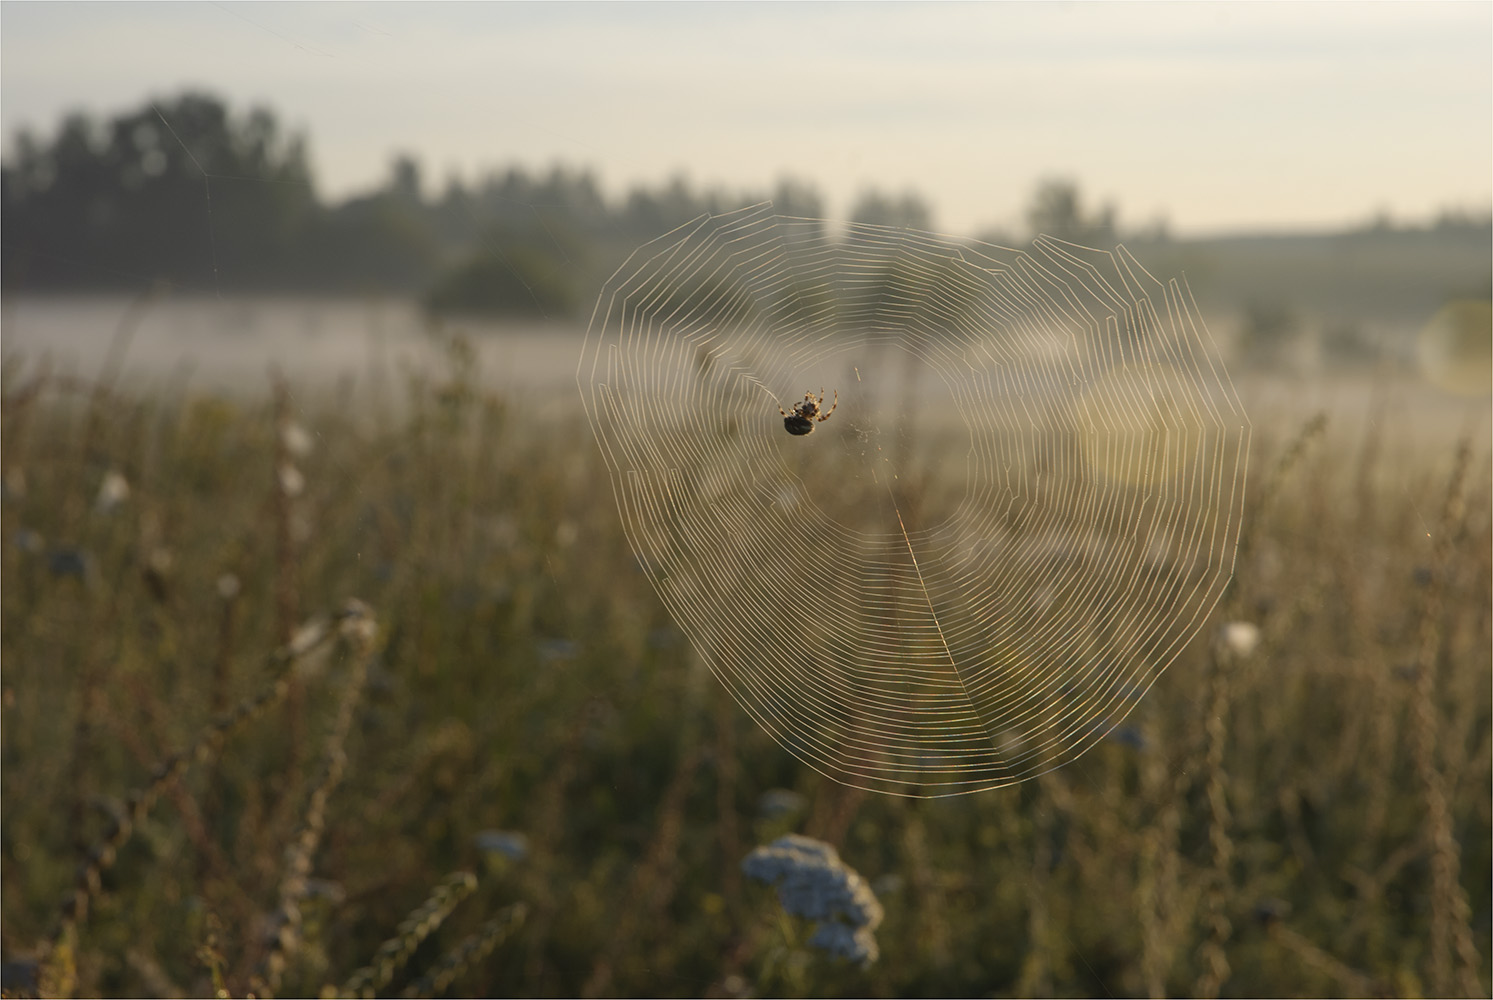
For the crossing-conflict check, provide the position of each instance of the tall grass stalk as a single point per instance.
(1453, 959)
(469, 953)
(1157, 893)
(138, 804)
(395, 953)
(656, 877)
(358, 628)
(1349, 980)
(1217, 925)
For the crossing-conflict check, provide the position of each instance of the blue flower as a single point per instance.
(815, 884)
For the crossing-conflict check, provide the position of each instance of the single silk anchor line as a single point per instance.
(932, 611)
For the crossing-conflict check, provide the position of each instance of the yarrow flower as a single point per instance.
(815, 884)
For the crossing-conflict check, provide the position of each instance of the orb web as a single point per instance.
(1025, 504)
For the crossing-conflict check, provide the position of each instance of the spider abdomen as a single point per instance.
(795, 424)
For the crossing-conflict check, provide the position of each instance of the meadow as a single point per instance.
(506, 772)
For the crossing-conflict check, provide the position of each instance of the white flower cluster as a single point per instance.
(815, 884)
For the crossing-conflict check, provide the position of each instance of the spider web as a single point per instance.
(1025, 505)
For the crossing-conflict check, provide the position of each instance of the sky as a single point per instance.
(1214, 117)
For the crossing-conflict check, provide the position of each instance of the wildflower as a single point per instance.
(295, 439)
(113, 491)
(307, 637)
(228, 586)
(29, 541)
(1128, 736)
(856, 944)
(815, 884)
(292, 482)
(513, 846)
(1238, 638)
(67, 560)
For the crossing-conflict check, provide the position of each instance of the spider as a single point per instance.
(806, 414)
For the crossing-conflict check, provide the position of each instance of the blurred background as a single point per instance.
(292, 298)
(1319, 173)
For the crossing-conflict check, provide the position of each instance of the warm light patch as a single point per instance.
(1455, 348)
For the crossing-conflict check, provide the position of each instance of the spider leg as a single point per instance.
(825, 415)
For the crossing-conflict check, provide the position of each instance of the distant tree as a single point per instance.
(1057, 210)
(1380, 221)
(516, 198)
(648, 213)
(381, 242)
(1158, 230)
(405, 181)
(452, 213)
(1456, 218)
(177, 191)
(532, 271)
(796, 198)
(905, 211)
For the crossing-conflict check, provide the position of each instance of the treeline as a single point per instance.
(186, 193)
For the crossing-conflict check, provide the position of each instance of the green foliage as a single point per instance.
(530, 681)
(1057, 210)
(511, 274)
(1376, 279)
(177, 191)
(185, 192)
(381, 243)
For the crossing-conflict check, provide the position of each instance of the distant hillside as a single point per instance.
(1374, 276)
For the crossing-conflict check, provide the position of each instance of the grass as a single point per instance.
(1310, 818)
